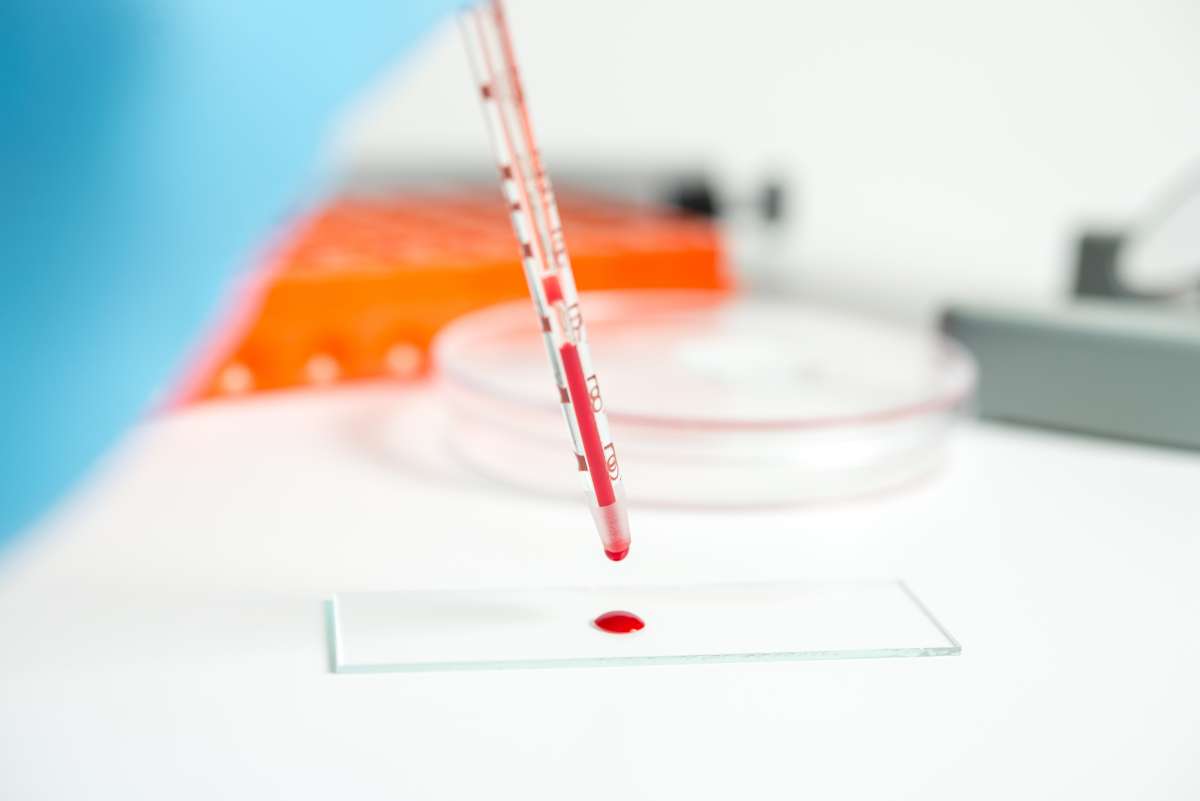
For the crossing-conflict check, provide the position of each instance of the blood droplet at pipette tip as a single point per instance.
(613, 524)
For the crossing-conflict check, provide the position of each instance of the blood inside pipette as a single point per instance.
(593, 450)
(614, 529)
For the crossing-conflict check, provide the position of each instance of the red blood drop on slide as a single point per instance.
(619, 622)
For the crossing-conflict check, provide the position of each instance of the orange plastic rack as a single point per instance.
(361, 286)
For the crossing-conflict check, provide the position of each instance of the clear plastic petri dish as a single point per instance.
(715, 400)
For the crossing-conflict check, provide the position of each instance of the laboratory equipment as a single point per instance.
(360, 285)
(418, 630)
(538, 229)
(1123, 368)
(719, 400)
(1119, 359)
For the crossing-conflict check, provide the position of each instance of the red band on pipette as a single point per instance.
(552, 288)
(588, 432)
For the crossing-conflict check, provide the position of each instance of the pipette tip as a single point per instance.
(612, 522)
(617, 556)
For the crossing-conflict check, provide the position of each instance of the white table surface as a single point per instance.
(162, 633)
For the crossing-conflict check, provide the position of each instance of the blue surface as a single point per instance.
(145, 149)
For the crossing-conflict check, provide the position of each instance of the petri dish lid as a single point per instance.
(713, 398)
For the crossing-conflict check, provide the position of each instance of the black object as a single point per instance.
(1097, 269)
(1096, 256)
(695, 196)
(698, 195)
(772, 202)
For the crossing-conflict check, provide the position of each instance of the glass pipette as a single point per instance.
(547, 268)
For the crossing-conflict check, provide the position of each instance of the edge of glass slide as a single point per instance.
(337, 664)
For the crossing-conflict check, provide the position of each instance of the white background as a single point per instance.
(939, 148)
(163, 636)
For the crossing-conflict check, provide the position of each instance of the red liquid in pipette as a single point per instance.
(619, 622)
